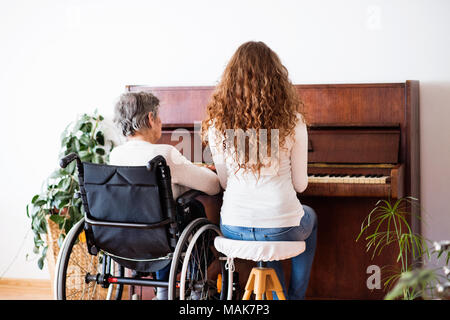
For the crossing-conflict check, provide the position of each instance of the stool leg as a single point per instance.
(260, 283)
(269, 295)
(249, 286)
(247, 295)
(275, 285)
(280, 295)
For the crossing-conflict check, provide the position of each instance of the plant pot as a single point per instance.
(53, 233)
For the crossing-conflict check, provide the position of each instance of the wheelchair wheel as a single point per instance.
(75, 264)
(195, 282)
(179, 254)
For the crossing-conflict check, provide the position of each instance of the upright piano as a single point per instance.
(363, 146)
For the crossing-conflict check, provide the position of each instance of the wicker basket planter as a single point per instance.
(53, 233)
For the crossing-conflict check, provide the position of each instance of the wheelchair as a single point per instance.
(131, 221)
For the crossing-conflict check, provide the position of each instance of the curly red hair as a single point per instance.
(254, 93)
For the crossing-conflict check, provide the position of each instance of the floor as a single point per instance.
(34, 289)
(25, 289)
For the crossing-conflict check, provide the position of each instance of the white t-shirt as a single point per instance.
(270, 201)
(185, 175)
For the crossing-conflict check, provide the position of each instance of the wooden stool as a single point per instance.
(262, 281)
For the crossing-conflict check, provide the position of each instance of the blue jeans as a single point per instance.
(301, 264)
(163, 274)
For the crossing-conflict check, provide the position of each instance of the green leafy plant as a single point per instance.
(391, 228)
(424, 282)
(415, 283)
(86, 138)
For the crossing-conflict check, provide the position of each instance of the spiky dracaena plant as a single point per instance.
(391, 228)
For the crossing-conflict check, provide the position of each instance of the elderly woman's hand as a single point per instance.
(205, 165)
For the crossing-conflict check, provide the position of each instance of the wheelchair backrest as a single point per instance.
(128, 213)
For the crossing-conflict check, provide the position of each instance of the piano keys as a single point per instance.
(375, 180)
(348, 179)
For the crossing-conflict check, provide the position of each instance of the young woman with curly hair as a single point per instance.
(255, 103)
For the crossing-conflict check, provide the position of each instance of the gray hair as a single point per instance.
(131, 111)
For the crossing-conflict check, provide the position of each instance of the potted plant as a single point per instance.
(55, 210)
(390, 226)
(426, 283)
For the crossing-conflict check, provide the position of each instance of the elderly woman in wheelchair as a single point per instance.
(141, 214)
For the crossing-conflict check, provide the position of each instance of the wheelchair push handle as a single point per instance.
(156, 162)
(63, 163)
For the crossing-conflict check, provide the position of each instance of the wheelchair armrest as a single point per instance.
(188, 196)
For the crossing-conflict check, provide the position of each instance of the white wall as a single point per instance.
(61, 58)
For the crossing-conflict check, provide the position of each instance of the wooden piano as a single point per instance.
(363, 146)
